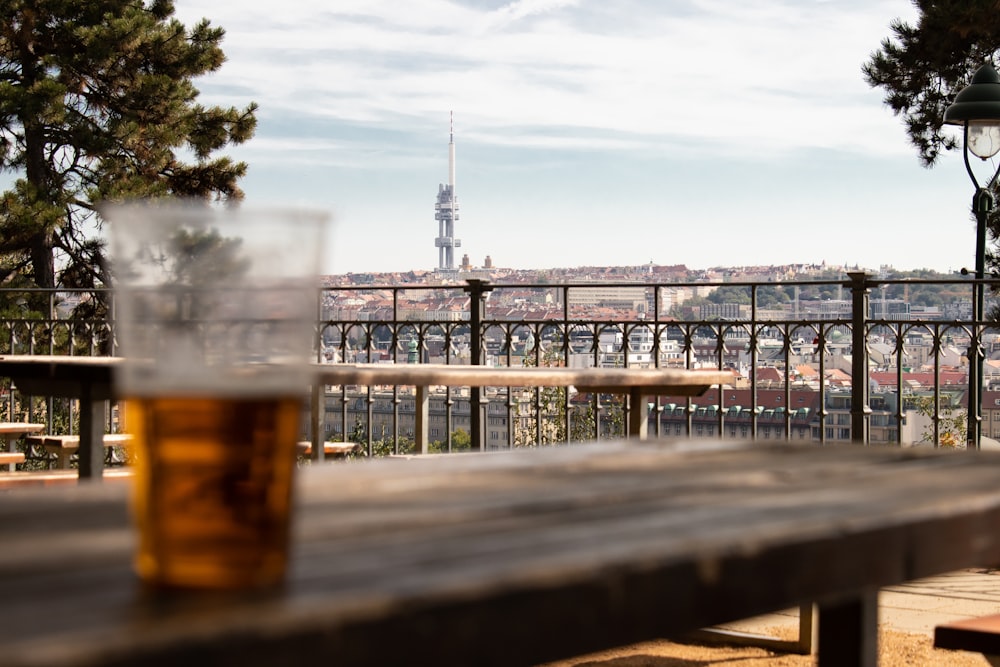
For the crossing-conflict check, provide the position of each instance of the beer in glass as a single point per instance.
(216, 313)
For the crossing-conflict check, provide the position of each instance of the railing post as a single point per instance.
(317, 402)
(477, 290)
(859, 357)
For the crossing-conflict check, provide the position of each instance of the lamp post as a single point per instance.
(977, 109)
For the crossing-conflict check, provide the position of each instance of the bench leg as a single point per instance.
(848, 631)
(10, 448)
(62, 459)
(92, 415)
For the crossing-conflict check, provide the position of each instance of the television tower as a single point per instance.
(446, 211)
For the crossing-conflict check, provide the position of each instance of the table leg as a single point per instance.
(91, 453)
(318, 434)
(802, 645)
(10, 448)
(638, 414)
(848, 631)
(421, 430)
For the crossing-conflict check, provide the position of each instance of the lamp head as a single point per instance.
(977, 108)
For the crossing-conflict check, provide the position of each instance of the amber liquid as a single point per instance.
(213, 489)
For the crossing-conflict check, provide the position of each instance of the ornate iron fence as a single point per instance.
(795, 350)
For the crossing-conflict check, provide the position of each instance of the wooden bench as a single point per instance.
(635, 383)
(34, 478)
(331, 450)
(64, 446)
(10, 458)
(981, 635)
(9, 434)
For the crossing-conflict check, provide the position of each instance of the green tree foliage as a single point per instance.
(97, 103)
(730, 294)
(952, 422)
(461, 441)
(922, 67)
(540, 415)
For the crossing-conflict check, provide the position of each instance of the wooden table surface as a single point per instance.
(91, 379)
(675, 381)
(515, 558)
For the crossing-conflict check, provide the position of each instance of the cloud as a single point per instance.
(520, 9)
(746, 78)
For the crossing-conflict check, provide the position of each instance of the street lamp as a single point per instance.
(977, 109)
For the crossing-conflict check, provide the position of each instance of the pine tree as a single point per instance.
(97, 103)
(922, 67)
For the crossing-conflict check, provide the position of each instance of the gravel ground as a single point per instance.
(896, 649)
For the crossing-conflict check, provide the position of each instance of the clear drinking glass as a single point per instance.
(215, 317)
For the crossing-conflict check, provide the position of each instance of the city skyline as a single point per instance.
(704, 133)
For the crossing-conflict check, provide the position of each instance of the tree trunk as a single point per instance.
(43, 268)
(35, 167)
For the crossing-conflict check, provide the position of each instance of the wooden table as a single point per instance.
(91, 379)
(88, 379)
(515, 558)
(11, 431)
(636, 383)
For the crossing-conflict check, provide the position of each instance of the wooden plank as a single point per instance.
(72, 442)
(48, 478)
(11, 458)
(604, 380)
(636, 382)
(19, 428)
(334, 449)
(91, 380)
(981, 634)
(61, 375)
(523, 557)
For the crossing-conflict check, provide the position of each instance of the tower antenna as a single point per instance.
(451, 152)
(446, 209)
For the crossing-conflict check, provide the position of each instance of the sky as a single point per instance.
(706, 133)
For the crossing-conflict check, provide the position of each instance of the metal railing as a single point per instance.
(796, 349)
